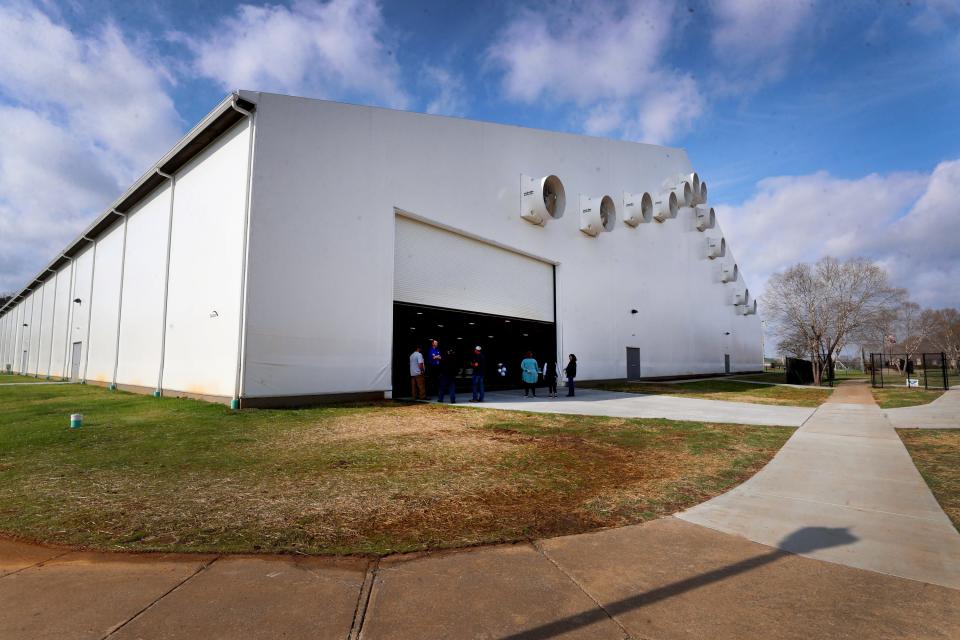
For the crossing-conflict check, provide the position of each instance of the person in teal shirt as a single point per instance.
(530, 373)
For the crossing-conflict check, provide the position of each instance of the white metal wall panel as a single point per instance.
(328, 178)
(46, 326)
(33, 330)
(60, 322)
(106, 300)
(205, 269)
(443, 269)
(141, 319)
(80, 313)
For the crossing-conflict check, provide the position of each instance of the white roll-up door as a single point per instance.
(443, 269)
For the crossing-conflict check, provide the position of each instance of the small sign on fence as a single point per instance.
(913, 382)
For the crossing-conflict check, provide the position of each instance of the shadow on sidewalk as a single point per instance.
(803, 540)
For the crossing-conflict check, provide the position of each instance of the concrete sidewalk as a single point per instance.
(662, 580)
(593, 402)
(845, 470)
(942, 413)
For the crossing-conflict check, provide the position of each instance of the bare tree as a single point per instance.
(944, 332)
(818, 308)
(912, 326)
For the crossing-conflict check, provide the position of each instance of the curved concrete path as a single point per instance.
(942, 413)
(847, 471)
(593, 402)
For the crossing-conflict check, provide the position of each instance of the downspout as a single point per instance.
(93, 273)
(66, 338)
(53, 320)
(123, 264)
(242, 319)
(166, 283)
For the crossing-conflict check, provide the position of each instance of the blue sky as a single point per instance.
(821, 127)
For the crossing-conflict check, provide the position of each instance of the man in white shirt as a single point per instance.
(418, 388)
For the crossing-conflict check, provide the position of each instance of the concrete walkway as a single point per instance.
(942, 413)
(667, 579)
(592, 402)
(845, 471)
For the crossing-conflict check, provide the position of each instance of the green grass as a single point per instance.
(180, 475)
(936, 453)
(15, 377)
(726, 389)
(895, 397)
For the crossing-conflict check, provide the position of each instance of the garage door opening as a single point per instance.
(503, 341)
(464, 292)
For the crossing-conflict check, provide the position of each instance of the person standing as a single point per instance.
(477, 364)
(530, 373)
(448, 375)
(571, 371)
(550, 377)
(418, 387)
(433, 367)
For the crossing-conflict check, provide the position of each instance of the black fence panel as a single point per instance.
(911, 370)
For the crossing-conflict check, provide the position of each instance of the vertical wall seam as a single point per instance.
(123, 264)
(166, 280)
(245, 248)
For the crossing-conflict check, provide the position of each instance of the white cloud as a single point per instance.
(755, 39)
(449, 91)
(82, 117)
(604, 59)
(907, 222)
(333, 49)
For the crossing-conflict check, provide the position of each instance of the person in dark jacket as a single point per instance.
(477, 364)
(448, 375)
(550, 377)
(571, 371)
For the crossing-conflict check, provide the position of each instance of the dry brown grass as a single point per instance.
(936, 452)
(364, 479)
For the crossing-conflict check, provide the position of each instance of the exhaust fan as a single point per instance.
(666, 207)
(541, 199)
(684, 193)
(706, 218)
(694, 181)
(597, 214)
(716, 248)
(729, 272)
(637, 208)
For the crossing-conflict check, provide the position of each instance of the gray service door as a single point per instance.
(23, 363)
(633, 363)
(75, 362)
(726, 363)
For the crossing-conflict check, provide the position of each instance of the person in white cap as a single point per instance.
(477, 364)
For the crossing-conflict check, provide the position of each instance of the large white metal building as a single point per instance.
(289, 250)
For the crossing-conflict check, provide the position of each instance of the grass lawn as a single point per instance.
(732, 390)
(15, 377)
(780, 377)
(936, 453)
(180, 475)
(894, 397)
